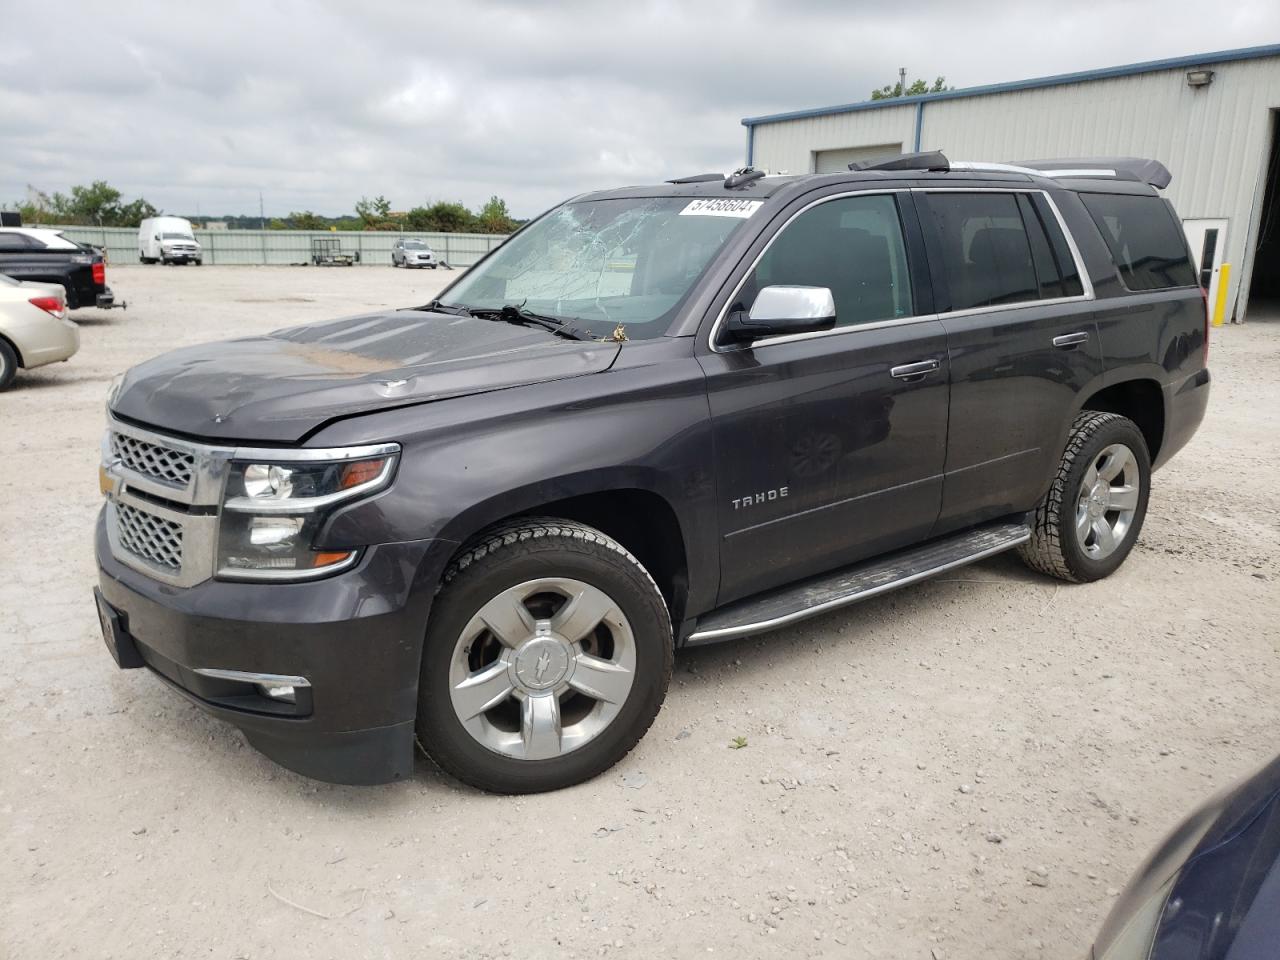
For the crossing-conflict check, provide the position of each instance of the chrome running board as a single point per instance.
(830, 591)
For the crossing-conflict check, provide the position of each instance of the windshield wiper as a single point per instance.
(516, 313)
(510, 313)
(435, 306)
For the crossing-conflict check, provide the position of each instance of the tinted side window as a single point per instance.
(985, 249)
(1146, 241)
(11, 242)
(854, 246)
(1071, 285)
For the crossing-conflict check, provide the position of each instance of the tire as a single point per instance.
(1067, 536)
(8, 364)
(198, 263)
(533, 565)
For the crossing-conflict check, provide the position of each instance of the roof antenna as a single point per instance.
(741, 177)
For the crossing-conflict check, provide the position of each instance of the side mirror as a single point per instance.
(783, 310)
(157, 236)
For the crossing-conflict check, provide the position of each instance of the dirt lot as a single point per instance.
(968, 768)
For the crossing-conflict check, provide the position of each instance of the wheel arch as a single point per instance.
(1139, 399)
(640, 518)
(17, 351)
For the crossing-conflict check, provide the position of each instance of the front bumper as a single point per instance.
(356, 638)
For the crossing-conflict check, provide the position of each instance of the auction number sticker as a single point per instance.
(725, 207)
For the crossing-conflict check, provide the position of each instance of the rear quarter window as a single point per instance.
(1145, 240)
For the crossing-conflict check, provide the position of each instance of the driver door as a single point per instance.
(830, 446)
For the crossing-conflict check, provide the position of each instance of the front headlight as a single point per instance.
(113, 391)
(273, 509)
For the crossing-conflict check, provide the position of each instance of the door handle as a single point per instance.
(1069, 340)
(914, 371)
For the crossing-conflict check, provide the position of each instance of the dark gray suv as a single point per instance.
(655, 417)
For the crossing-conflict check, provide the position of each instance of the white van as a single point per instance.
(168, 240)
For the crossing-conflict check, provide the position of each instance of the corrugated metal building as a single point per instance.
(1211, 119)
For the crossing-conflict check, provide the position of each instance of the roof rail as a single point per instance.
(930, 160)
(1152, 172)
(698, 178)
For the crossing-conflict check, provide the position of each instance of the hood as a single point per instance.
(279, 387)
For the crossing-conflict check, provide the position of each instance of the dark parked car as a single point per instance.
(1211, 890)
(46, 256)
(656, 416)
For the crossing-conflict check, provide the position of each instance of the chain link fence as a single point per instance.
(282, 247)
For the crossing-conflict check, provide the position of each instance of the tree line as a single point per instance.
(102, 205)
(440, 217)
(916, 89)
(98, 205)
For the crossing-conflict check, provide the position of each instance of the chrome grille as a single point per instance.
(153, 460)
(152, 538)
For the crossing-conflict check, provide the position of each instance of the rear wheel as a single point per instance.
(547, 657)
(1090, 518)
(8, 364)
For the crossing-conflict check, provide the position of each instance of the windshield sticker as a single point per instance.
(722, 208)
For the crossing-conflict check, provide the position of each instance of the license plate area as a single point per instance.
(115, 634)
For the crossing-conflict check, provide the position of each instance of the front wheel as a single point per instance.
(1090, 519)
(547, 657)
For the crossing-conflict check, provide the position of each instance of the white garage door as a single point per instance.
(833, 161)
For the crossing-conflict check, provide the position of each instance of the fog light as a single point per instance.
(278, 691)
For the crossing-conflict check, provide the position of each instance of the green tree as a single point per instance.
(916, 89)
(132, 214)
(304, 220)
(98, 204)
(441, 217)
(494, 217)
(375, 214)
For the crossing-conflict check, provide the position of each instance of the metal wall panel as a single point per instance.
(258, 247)
(790, 147)
(1213, 139)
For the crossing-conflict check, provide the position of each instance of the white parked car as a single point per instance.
(408, 252)
(168, 240)
(34, 329)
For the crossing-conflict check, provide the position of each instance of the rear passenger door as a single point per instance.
(1019, 317)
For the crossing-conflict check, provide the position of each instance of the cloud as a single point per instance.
(316, 104)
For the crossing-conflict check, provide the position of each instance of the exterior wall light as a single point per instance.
(1199, 78)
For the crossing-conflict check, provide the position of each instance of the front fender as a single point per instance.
(472, 461)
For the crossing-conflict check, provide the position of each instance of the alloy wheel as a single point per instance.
(542, 668)
(1108, 501)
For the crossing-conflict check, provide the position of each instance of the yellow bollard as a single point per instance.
(1220, 307)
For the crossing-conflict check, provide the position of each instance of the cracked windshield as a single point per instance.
(604, 263)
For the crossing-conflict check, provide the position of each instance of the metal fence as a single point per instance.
(290, 246)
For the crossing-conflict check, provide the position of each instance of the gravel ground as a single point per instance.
(971, 767)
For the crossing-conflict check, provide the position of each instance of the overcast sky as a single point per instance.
(200, 106)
